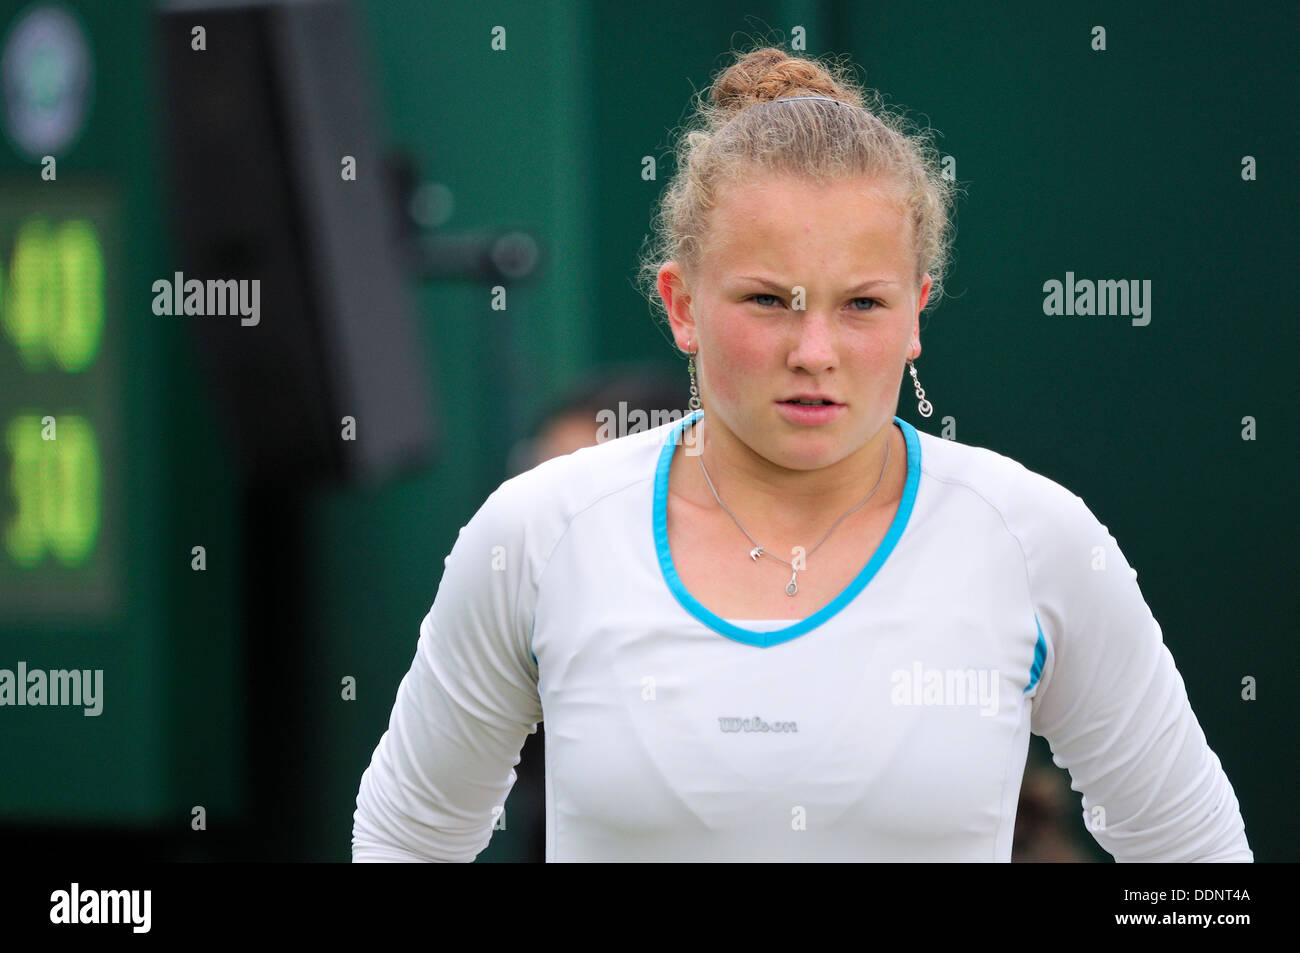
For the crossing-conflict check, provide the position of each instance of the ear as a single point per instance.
(672, 287)
(925, 293)
(916, 320)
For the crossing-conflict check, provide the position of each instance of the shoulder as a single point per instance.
(547, 497)
(1051, 523)
(1001, 482)
(518, 527)
(1077, 574)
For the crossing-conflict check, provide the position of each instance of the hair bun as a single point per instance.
(770, 73)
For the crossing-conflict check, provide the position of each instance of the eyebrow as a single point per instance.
(869, 283)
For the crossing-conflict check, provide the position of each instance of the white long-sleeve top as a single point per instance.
(892, 725)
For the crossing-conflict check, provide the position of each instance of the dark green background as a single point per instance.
(1117, 164)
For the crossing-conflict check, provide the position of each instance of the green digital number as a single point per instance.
(56, 488)
(24, 538)
(53, 301)
(81, 276)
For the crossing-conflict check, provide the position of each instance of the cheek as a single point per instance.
(742, 373)
(722, 379)
(883, 352)
(746, 357)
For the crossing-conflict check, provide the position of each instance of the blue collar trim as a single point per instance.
(777, 636)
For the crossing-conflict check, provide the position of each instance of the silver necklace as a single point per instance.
(792, 587)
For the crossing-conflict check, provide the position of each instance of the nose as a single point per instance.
(814, 350)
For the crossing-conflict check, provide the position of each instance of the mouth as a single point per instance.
(810, 411)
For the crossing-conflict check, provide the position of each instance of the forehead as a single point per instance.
(778, 216)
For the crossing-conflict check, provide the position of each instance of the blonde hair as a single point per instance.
(728, 139)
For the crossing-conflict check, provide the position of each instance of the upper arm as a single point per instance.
(441, 772)
(1114, 708)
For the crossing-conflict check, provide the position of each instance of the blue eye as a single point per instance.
(776, 300)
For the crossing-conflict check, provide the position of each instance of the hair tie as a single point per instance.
(790, 99)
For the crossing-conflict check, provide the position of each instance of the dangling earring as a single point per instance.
(694, 403)
(923, 406)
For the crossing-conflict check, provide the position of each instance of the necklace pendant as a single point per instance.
(755, 553)
(790, 587)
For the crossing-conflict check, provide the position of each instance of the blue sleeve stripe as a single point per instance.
(1040, 657)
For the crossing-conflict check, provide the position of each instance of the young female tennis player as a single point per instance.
(790, 626)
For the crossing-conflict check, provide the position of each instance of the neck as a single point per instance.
(797, 502)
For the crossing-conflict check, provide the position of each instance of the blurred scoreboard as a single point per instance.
(59, 378)
(111, 464)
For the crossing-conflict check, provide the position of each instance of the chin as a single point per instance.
(807, 451)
